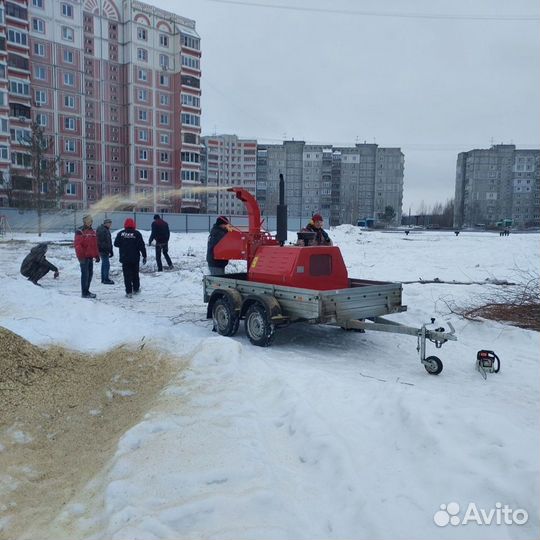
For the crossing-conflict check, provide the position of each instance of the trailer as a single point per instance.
(286, 284)
(266, 308)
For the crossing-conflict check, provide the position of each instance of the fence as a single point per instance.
(67, 221)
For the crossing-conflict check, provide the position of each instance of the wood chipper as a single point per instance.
(285, 284)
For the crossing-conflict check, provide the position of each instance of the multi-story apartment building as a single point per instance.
(496, 184)
(227, 161)
(343, 183)
(117, 85)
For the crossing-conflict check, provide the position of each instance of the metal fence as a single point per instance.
(67, 221)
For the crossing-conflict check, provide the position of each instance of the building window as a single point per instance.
(164, 157)
(190, 176)
(70, 167)
(67, 10)
(40, 73)
(68, 56)
(164, 138)
(191, 101)
(19, 87)
(141, 33)
(163, 41)
(37, 4)
(143, 94)
(14, 36)
(20, 136)
(164, 119)
(143, 115)
(164, 61)
(164, 80)
(69, 78)
(69, 102)
(67, 33)
(190, 42)
(69, 145)
(142, 75)
(164, 176)
(189, 157)
(190, 138)
(190, 62)
(71, 188)
(39, 49)
(164, 99)
(142, 55)
(3, 125)
(41, 98)
(143, 174)
(38, 25)
(69, 123)
(13, 10)
(143, 154)
(41, 119)
(143, 135)
(191, 119)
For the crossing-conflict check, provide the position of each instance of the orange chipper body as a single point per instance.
(307, 267)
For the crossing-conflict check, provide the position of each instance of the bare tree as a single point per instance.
(48, 179)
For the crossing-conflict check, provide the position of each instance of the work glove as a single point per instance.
(56, 274)
(144, 260)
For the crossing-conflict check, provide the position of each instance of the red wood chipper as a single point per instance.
(293, 283)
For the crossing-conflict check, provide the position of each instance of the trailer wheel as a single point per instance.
(225, 318)
(433, 365)
(259, 329)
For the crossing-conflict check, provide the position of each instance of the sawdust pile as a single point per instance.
(61, 416)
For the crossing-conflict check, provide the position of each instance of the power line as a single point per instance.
(394, 14)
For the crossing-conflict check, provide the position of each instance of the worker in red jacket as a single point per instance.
(86, 248)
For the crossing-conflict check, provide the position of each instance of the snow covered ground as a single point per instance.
(326, 434)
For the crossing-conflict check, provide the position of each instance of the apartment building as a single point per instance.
(227, 161)
(117, 85)
(498, 183)
(343, 183)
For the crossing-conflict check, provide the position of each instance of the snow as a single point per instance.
(326, 434)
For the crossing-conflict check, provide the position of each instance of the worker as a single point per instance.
(161, 234)
(105, 248)
(130, 244)
(35, 265)
(87, 251)
(321, 236)
(220, 228)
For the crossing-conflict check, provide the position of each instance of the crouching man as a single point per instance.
(35, 265)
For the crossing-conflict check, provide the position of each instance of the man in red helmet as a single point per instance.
(321, 236)
(130, 244)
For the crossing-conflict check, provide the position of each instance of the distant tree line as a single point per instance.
(437, 215)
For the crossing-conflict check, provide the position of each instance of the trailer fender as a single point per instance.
(233, 295)
(270, 304)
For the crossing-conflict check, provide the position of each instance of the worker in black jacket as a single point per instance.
(130, 244)
(219, 230)
(161, 234)
(105, 248)
(35, 265)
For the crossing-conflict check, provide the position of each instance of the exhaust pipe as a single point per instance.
(281, 234)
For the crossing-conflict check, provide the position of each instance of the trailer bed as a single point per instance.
(365, 298)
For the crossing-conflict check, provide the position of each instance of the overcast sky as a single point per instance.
(432, 86)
